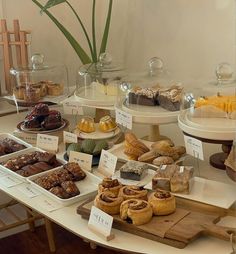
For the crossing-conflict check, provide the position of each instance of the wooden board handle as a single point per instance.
(219, 231)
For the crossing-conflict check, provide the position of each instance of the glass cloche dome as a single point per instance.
(98, 83)
(151, 91)
(212, 105)
(40, 82)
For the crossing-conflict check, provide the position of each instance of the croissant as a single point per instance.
(136, 211)
(108, 202)
(131, 139)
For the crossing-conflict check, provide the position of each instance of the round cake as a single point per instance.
(86, 124)
(106, 124)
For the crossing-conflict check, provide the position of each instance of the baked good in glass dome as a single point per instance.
(153, 88)
(98, 83)
(39, 82)
(106, 124)
(86, 124)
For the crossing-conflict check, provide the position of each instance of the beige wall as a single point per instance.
(190, 36)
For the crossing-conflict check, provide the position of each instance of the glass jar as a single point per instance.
(98, 83)
(40, 82)
(152, 91)
(212, 105)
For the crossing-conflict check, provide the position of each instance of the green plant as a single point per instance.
(84, 57)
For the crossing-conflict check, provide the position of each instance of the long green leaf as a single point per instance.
(51, 3)
(106, 29)
(78, 49)
(94, 31)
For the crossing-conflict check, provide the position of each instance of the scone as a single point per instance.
(162, 202)
(136, 211)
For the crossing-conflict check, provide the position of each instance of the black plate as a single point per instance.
(95, 160)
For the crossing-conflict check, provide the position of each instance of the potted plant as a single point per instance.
(84, 56)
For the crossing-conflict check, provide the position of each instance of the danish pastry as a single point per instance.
(132, 191)
(109, 185)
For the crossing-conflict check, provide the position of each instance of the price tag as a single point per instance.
(28, 190)
(9, 181)
(2, 173)
(181, 169)
(107, 163)
(124, 119)
(101, 223)
(163, 167)
(83, 159)
(194, 147)
(69, 137)
(48, 204)
(72, 108)
(47, 142)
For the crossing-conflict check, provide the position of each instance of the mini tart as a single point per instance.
(108, 202)
(136, 211)
(86, 124)
(109, 184)
(133, 192)
(106, 124)
(162, 202)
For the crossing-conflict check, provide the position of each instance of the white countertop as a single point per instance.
(67, 217)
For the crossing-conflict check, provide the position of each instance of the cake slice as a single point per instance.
(133, 170)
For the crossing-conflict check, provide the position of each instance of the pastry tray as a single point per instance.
(11, 156)
(208, 192)
(87, 187)
(7, 135)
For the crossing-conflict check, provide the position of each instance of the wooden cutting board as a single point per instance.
(177, 229)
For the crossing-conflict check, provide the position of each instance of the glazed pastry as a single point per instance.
(136, 211)
(163, 176)
(75, 170)
(163, 160)
(180, 181)
(133, 170)
(169, 98)
(86, 124)
(162, 202)
(106, 124)
(70, 188)
(131, 191)
(144, 96)
(59, 192)
(108, 202)
(109, 184)
(148, 157)
(54, 89)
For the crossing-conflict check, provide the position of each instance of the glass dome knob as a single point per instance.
(155, 64)
(37, 60)
(224, 71)
(105, 59)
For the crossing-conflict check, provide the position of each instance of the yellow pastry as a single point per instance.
(106, 124)
(132, 191)
(109, 184)
(162, 202)
(54, 89)
(86, 124)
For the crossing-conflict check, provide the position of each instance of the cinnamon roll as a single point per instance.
(109, 184)
(132, 191)
(162, 202)
(108, 202)
(136, 211)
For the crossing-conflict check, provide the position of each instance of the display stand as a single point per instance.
(210, 135)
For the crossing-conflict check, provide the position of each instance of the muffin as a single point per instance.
(106, 124)
(86, 124)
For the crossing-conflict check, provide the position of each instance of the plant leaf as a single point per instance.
(76, 46)
(94, 32)
(106, 29)
(51, 3)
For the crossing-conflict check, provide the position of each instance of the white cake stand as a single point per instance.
(210, 130)
(152, 115)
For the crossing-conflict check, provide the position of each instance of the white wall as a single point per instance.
(190, 36)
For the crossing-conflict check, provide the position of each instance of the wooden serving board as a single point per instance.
(177, 229)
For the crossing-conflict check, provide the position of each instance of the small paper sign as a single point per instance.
(28, 190)
(9, 181)
(83, 159)
(2, 173)
(194, 147)
(72, 108)
(124, 119)
(107, 163)
(69, 137)
(100, 222)
(47, 142)
(48, 204)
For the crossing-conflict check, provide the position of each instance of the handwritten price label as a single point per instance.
(107, 163)
(69, 137)
(194, 147)
(83, 159)
(124, 119)
(9, 181)
(47, 142)
(28, 190)
(72, 108)
(100, 221)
